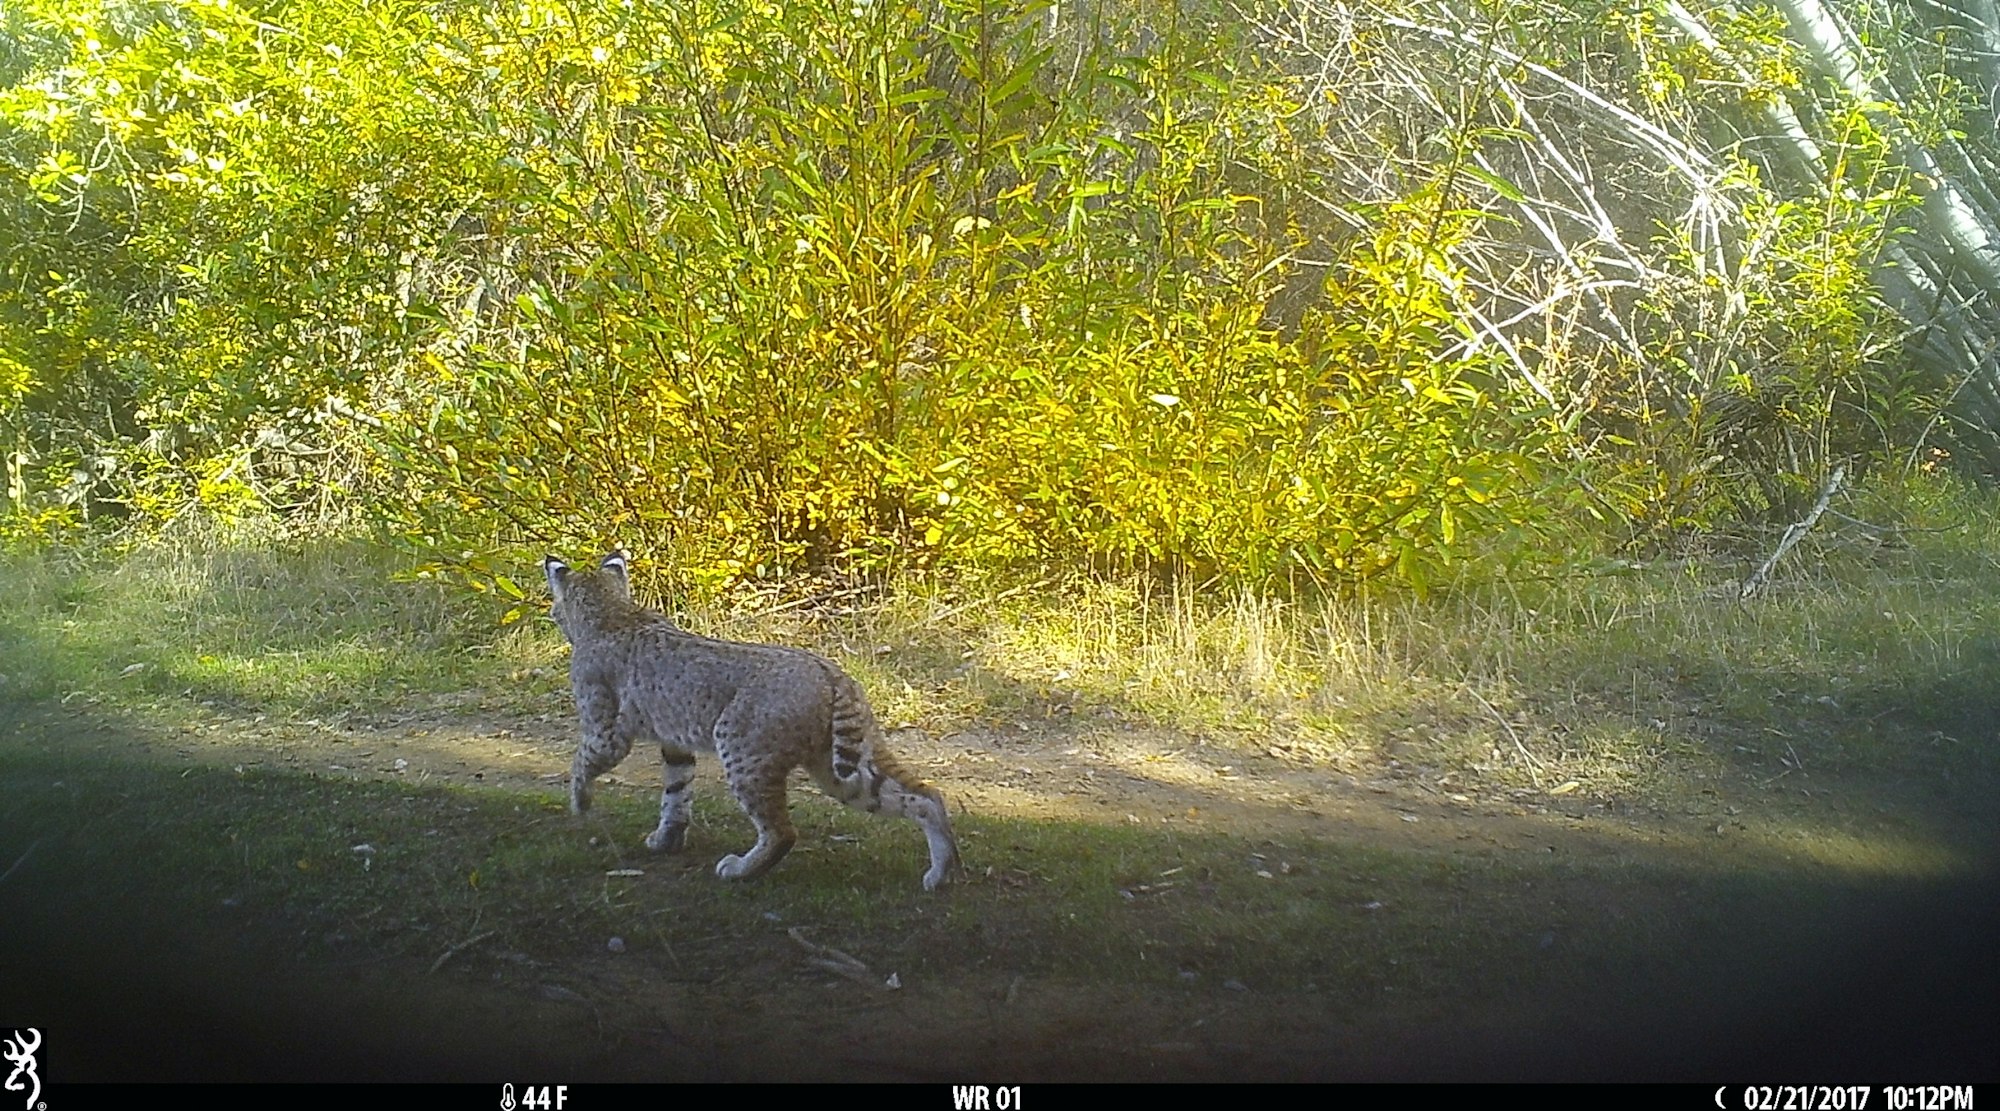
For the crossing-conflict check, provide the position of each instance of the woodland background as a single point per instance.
(1261, 292)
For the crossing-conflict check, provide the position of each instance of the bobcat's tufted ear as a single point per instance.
(557, 571)
(618, 562)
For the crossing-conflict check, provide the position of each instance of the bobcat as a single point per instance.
(762, 709)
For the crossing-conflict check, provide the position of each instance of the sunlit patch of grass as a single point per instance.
(1608, 680)
(1873, 855)
(298, 626)
(1625, 682)
(1227, 665)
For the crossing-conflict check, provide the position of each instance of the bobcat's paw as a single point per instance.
(731, 867)
(668, 839)
(942, 874)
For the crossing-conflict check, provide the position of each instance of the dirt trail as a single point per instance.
(1137, 774)
(1915, 904)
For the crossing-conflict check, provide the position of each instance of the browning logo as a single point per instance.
(19, 1050)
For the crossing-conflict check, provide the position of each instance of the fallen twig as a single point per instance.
(1872, 527)
(459, 948)
(835, 961)
(816, 599)
(1792, 535)
(23, 860)
(954, 611)
(1534, 765)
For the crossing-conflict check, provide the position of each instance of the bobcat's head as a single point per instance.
(586, 601)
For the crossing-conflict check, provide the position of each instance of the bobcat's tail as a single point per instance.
(862, 764)
(865, 775)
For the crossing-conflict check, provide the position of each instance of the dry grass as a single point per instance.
(1611, 680)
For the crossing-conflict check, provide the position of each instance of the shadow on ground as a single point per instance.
(1910, 997)
(177, 921)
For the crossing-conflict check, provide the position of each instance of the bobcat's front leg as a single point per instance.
(603, 743)
(678, 771)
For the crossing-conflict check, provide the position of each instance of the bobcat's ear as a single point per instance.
(619, 564)
(558, 573)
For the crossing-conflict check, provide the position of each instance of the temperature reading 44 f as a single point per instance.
(545, 1097)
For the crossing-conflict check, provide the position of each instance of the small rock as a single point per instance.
(402, 765)
(1235, 985)
(131, 670)
(894, 982)
(1189, 976)
(616, 945)
(773, 916)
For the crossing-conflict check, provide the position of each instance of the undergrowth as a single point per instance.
(1609, 679)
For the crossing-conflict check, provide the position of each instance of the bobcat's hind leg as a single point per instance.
(760, 789)
(882, 792)
(925, 806)
(678, 771)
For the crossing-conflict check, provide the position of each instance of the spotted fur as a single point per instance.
(762, 709)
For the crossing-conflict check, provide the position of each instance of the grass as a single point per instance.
(1590, 730)
(1190, 926)
(1627, 683)
(335, 868)
(399, 870)
(194, 617)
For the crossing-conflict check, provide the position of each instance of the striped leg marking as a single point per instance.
(678, 772)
